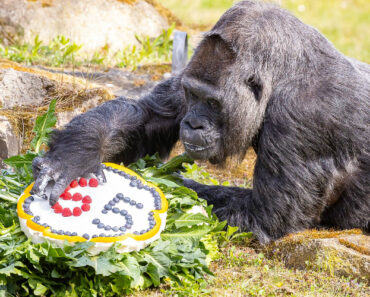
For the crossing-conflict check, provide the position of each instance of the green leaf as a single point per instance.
(43, 127)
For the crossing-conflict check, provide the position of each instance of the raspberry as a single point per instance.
(87, 199)
(67, 189)
(76, 197)
(93, 182)
(74, 184)
(57, 208)
(82, 182)
(77, 211)
(66, 212)
(67, 196)
(85, 207)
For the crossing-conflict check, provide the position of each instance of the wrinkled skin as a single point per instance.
(259, 78)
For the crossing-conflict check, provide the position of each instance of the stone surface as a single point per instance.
(21, 88)
(93, 23)
(9, 142)
(342, 253)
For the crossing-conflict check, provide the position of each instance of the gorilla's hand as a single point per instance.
(58, 173)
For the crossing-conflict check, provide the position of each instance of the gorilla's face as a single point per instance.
(223, 94)
(201, 128)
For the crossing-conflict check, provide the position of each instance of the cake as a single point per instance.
(124, 209)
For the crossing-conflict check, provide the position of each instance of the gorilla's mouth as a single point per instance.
(195, 148)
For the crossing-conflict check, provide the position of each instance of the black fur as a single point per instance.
(260, 77)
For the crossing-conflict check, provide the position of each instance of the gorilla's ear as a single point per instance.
(212, 59)
(255, 85)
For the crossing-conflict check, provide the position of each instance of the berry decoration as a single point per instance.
(82, 182)
(74, 184)
(77, 211)
(85, 207)
(76, 197)
(87, 199)
(66, 212)
(93, 182)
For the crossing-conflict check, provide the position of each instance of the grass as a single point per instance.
(344, 22)
(63, 52)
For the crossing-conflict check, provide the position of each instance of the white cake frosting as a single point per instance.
(150, 206)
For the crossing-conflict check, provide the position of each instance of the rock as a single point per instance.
(342, 253)
(9, 142)
(21, 88)
(93, 23)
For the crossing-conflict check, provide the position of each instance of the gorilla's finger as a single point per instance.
(58, 189)
(41, 182)
(36, 166)
(100, 175)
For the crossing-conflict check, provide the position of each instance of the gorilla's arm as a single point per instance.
(120, 130)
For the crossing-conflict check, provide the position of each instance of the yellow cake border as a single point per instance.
(46, 230)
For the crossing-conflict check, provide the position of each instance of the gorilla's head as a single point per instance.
(253, 53)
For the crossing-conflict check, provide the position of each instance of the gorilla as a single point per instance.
(260, 78)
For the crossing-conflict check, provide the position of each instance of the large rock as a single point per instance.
(93, 23)
(342, 253)
(22, 88)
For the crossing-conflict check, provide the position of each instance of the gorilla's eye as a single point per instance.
(214, 104)
(255, 85)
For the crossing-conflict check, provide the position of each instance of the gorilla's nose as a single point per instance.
(194, 123)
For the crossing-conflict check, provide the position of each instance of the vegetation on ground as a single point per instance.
(63, 52)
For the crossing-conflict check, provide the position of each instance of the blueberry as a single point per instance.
(132, 202)
(96, 221)
(132, 177)
(45, 225)
(107, 228)
(60, 232)
(126, 199)
(53, 231)
(123, 229)
(140, 186)
(74, 234)
(112, 202)
(102, 235)
(128, 226)
(123, 212)
(31, 198)
(104, 211)
(147, 230)
(151, 214)
(115, 210)
(139, 205)
(94, 236)
(108, 207)
(142, 232)
(121, 234)
(128, 217)
(116, 199)
(67, 233)
(115, 228)
(30, 213)
(36, 218)
(136, 233)
(86, 236)
(122, 173)
(146, 188)
(101, 225)
(109, 168)
(120, 196)
(103, 166)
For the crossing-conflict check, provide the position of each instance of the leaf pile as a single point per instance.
(180, 256)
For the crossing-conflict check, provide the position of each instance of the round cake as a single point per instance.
(124, 209)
